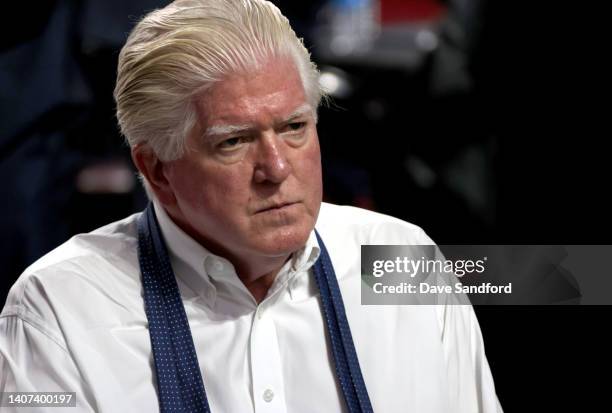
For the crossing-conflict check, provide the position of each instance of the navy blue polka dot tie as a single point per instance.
(179, 380)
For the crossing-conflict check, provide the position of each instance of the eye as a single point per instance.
(296, 126)
(231, 143)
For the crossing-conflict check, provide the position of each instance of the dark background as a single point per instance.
(497, 135)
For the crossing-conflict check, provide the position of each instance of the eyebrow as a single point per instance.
(220, 130)
(300, 111)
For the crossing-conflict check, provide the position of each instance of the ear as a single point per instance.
(152, 168)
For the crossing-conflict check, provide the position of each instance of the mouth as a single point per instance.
(276, 207)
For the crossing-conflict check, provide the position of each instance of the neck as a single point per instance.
(257, 273)
(258, 277)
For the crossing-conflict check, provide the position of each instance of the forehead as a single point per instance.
(269, 93)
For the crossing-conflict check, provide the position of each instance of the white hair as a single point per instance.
(179, 51)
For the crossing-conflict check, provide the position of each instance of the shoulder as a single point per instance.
(110, 242)
(345, 229)
(347, 223)
(85, 272)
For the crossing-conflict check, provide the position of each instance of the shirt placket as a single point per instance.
(266, 367)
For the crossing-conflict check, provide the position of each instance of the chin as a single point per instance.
(283, 241)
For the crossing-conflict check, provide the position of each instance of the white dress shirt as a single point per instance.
(75, 321)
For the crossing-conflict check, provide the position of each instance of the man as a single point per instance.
(221, 296)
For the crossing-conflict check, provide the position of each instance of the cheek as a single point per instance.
(193, 183)
(222, 188)
(313, 162)
(311, 175)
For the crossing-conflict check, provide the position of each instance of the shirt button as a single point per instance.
(218, 265)
(268, 395)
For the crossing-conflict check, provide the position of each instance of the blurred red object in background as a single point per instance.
(399, 11)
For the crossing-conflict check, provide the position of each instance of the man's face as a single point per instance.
(249, 184)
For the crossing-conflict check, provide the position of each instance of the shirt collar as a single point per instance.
(206, 266)
(184, 250)
(296, 272)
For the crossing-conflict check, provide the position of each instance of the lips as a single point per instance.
(275, 206)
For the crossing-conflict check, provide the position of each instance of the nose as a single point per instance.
(272, 164)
